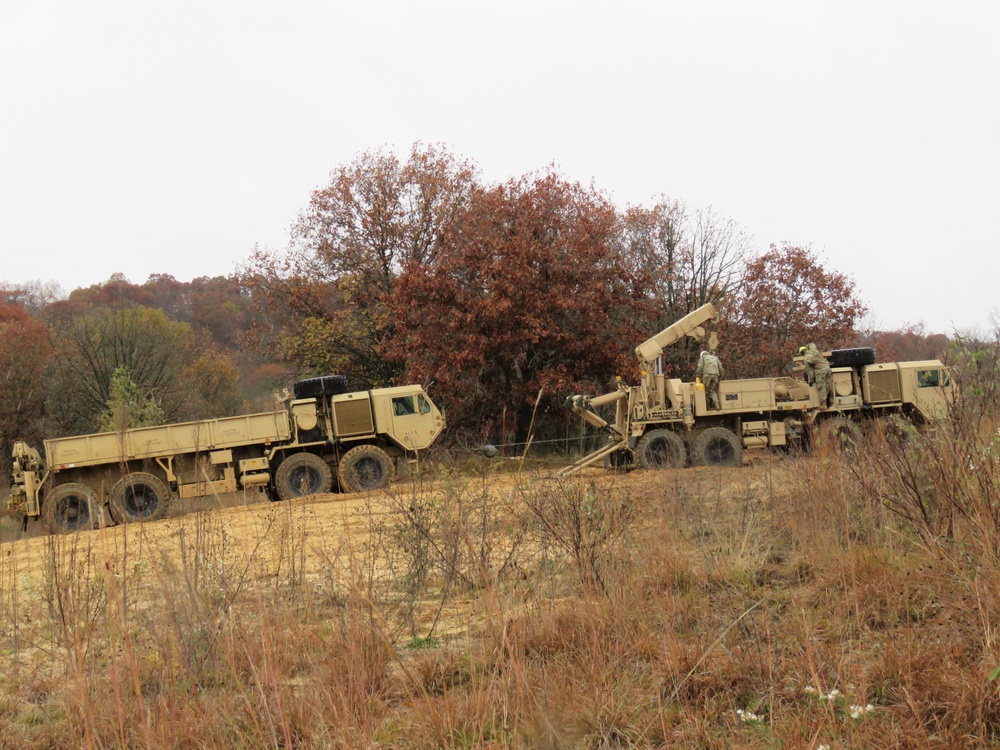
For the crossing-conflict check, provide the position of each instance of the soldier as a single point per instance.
(817, 372)
(710, 371)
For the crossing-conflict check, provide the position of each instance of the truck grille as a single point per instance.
(883, 386)
(353, 417)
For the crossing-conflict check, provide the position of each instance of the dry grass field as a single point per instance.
(838, 600)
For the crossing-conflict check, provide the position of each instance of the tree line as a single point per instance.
(404, 269)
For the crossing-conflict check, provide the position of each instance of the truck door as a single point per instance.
(932, 391)
(413, 421)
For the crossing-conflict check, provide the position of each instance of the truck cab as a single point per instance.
(416, 421)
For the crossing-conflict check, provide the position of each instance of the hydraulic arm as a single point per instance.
(692, 325)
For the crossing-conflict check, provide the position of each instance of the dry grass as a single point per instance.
(698, 608)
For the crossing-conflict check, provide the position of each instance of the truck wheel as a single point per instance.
(365, 467)
(621, 461)
(852, 357)
(327, 385)
(139, 496)
(899, 431)
(716, 446)
(302, 474)
(661, 449)
(71, 507)
(842, 433)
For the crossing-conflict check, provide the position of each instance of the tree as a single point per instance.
(24, 352)
(150, 349)
(909, 343)
(128, 406)
(719, 249)
(687, 260)
(33, 296)
(211, 384)
(654, 243)
(327, 294)
(528, 292)
(217, 305)
(117, 292)
(786, 299)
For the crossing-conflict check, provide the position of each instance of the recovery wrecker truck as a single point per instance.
(322, 436)
(667, 423)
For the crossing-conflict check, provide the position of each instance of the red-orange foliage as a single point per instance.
(910, 343)
(211, 304)
(24, 351)
(528, 292)
(786, 299)
(328, 293)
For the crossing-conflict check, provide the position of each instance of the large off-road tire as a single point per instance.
(856, 357)
(661, 449)
(139, 496)
(716, 446)
(621, 461)
(899, 431)
(366, 467)
(71, 507)
(841, 433)
(327, 385)
(303, 474)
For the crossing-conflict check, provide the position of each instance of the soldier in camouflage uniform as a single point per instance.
(817, 373)
(710, 371)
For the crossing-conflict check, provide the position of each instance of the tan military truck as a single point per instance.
(666, 423)
(861, 389)
(323, 436)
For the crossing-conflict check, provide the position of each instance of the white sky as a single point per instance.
(170, 137)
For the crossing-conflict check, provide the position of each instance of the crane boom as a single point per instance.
(691, 325)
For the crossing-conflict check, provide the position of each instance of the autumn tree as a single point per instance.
(528, 292)
(909, 343)
(785, 299)
(211, 383)
(24, 352)
(653, 241)
(327, 293)
(686, 259)
(215, 304)
(33, 296)
(117, 292)
(154, 352)
(219, 306)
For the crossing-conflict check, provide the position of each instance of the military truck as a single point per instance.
(666, 423)
(321, 437)
(861, 389)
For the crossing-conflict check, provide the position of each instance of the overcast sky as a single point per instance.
(170, 137)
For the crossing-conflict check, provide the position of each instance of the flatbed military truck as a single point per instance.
(666, 423)
(321, 438)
